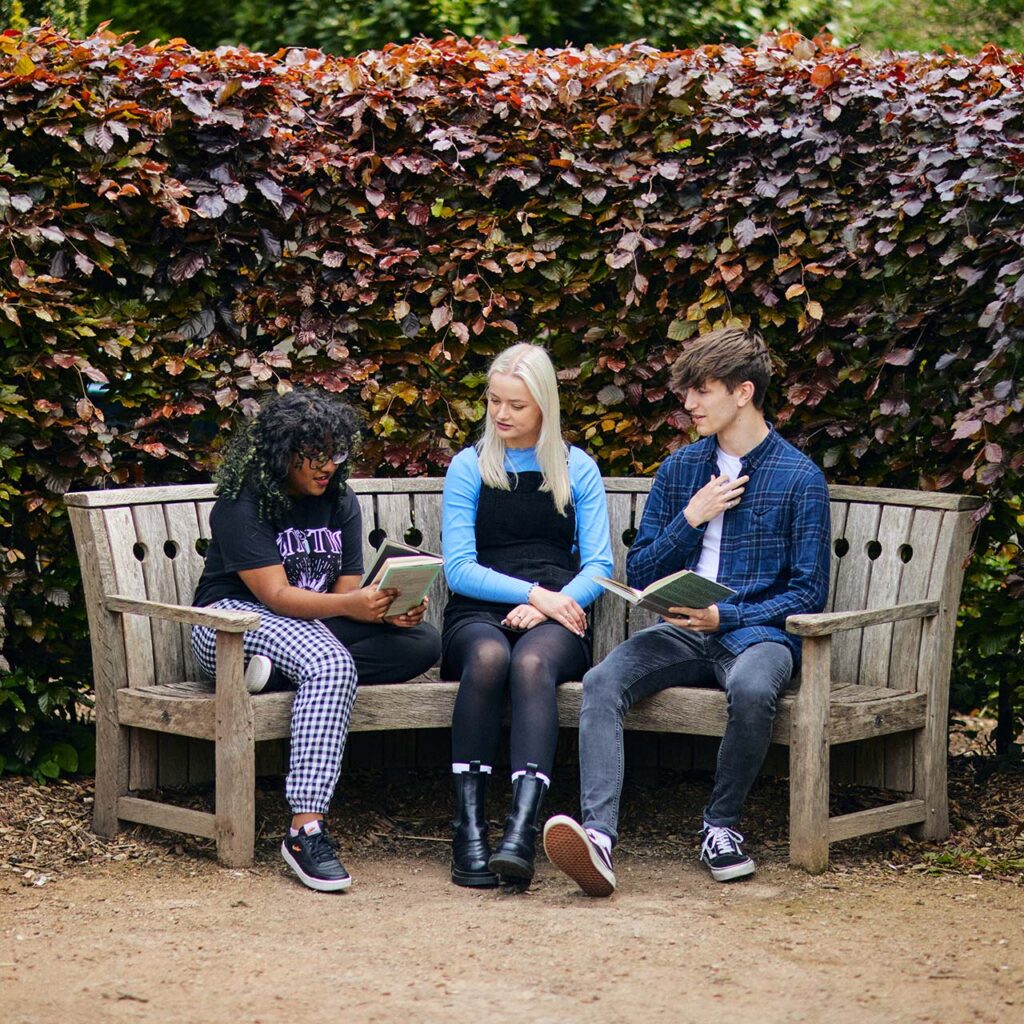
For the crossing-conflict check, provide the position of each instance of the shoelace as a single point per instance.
(320, 847)
(721, 840)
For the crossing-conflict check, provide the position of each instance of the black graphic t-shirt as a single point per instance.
(316, 543)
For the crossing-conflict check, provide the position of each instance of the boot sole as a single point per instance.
(569, 850)
(509, 866)
(474, 880)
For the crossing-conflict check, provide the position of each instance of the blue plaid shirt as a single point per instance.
(775, 543)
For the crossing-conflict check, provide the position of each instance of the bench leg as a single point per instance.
(112, 766)
(930, 781)
(808, 760)
(931, 744)
(235, 758)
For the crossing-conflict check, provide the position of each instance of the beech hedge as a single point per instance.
(185, 230)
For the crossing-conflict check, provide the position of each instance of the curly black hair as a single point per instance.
(303, 421)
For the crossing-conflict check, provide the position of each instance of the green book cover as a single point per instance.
(685, 589)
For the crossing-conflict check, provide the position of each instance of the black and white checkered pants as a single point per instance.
(324, 674)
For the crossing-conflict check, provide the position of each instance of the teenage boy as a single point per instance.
(745, 508)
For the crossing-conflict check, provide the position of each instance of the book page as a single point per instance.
(619, 589)
(388, 549)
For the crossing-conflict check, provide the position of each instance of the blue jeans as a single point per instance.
(664, 656)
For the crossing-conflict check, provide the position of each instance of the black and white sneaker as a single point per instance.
(258, 673)
(311, 855)
(586, 862)
(722, 852)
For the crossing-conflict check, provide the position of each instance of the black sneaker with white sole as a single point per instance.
(312, 856)
(721, 850)
(586, 862)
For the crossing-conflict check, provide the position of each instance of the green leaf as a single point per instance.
(680, 330)
(66, 756)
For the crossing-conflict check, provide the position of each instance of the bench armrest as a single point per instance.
(826, 623)
(216, 618)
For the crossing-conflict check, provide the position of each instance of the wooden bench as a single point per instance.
(875, 669)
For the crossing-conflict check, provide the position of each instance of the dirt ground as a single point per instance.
(146, 927)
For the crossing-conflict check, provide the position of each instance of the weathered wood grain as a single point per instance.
(609, 614)
(904, 660)
(182, 523)
(827, 623)
(808, 759)
(877, 819)
(852, 582)
(426, 513)
(110, 672)
(637, 618)
(168, 816)
(892, 496)
(216, 618)
(838, 522)
(930, 784)
(235, 757)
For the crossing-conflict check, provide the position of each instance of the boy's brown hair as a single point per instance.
(731, 355)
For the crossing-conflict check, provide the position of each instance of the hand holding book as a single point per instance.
(407, 571)
(700, 620)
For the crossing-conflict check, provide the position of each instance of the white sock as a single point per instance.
(600, 839)
(540, 775)
(458, 767)
(310, 828)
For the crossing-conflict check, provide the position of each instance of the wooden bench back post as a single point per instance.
(110, 672)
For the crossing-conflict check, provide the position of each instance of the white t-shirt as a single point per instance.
(729, 466)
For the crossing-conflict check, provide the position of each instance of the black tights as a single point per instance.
(488, 661)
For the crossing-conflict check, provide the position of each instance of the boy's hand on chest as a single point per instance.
(717, 496)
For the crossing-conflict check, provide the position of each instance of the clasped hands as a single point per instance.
(547, 605)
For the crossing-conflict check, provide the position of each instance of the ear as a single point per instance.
(744, 393)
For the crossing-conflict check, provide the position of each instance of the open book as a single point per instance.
(684, 589)
(401, 567)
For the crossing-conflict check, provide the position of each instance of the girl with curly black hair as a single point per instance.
(286, 541)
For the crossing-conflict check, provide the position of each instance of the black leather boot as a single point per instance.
(513, 859)
(470, 848)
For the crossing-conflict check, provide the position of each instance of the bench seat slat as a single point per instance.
(856, 712)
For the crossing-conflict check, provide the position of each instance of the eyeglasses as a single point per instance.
(320, 460)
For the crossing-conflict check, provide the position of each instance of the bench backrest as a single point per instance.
(889, 547)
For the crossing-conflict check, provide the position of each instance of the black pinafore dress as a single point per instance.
(520, 533)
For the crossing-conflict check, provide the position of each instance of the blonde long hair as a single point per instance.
(532, 365)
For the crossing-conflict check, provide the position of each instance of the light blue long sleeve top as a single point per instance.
(465, 575)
